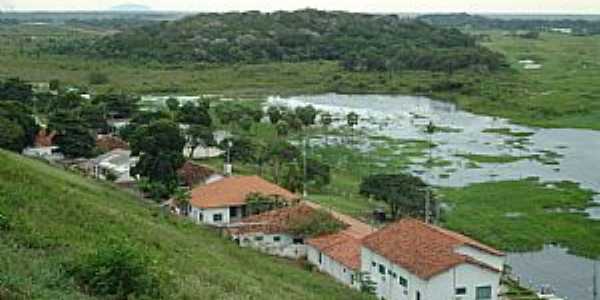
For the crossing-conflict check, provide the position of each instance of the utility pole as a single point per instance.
(304, 192)
(595, 280)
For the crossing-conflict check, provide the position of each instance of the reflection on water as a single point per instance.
(573, 152)
(571, 276)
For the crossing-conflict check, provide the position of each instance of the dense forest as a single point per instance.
(360, 42)
(579, 27)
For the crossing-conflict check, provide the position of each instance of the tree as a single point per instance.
(246, 123)
(160, 148)
(405, 194)
(307, 115)
(172, 104)
(199, 135)
(242, 149)
(20, 116)
(119, 106)
(352, 120)
(280, 152)
(54, 85)
(326, 121)
(318, 173)
(181, 199)
(282, 128)
(258, 203)
(94, 117)
(11, 135)
(15, 89)
(275, 114)
(191, 113)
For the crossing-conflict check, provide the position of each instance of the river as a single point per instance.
(567, 154)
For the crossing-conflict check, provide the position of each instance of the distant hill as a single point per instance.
(360, 42)
(50, 219)
(130, 7)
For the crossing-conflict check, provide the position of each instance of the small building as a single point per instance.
(411, 260)
(225, 201)
(202, 152)
(338, 254)
(118, 163)
(270, 232)
(44, 147)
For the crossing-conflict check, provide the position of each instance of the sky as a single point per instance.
(471, 6)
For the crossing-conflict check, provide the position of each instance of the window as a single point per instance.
(352, 279)
(258, 238)
(382, 269)
(320, 258)
(402, 281)
(418, 295)
(217, 217)
(461, 291)
(373, 264)
(276, 238)
(483, 293)
(233, 212)
(298, 241)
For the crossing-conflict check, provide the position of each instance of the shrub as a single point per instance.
(117, 271)
(318, 223)
(4, 223)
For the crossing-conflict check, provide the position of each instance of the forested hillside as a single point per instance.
(358, 41)
(66, 237)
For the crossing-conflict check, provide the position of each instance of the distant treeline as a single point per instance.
(579, 27)
(360, 42)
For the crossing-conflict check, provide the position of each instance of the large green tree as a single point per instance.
(160, 148)
(11, 135)
(405, 194)
(23, 126)
(74, 137)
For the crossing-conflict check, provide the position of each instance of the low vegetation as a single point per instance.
(524, 215)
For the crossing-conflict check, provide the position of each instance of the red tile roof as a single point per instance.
(109, 143)
(44, 139)
(274, 221)
(233, 191)
(341, 247)
(424, 250)
(192, 174)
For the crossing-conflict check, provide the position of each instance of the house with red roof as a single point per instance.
(412, 260)
(224, 201)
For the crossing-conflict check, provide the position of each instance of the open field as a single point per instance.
(56, 217)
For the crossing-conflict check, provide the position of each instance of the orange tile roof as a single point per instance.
(424, 250)
(341, 247)
(44, 139)
(192, 174)
(109, 143)
(274, 221)
(233, 191)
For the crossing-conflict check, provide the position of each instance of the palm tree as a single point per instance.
(181, 199)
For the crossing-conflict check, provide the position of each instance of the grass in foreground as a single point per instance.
(524, 215)
(57, 217)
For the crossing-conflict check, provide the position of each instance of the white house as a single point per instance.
(270, 232)
(117, 162)
(224, 201)
(50, 153)
(411, 260)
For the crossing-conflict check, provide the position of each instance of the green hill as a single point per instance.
(360, 42)
(51, 219)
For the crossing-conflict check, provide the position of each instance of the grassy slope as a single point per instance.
(56, 217)
(524, 215)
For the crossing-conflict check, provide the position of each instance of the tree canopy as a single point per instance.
(360, 42)
(405, 194)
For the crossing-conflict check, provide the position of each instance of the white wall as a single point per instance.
(330, 266)
(489, 259)
(206, 215)
(440, 287)
(267, 243)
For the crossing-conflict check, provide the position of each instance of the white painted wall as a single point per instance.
(330, 266)
(440, 287)
(489, 259)
(269, 244)
(206, 215)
